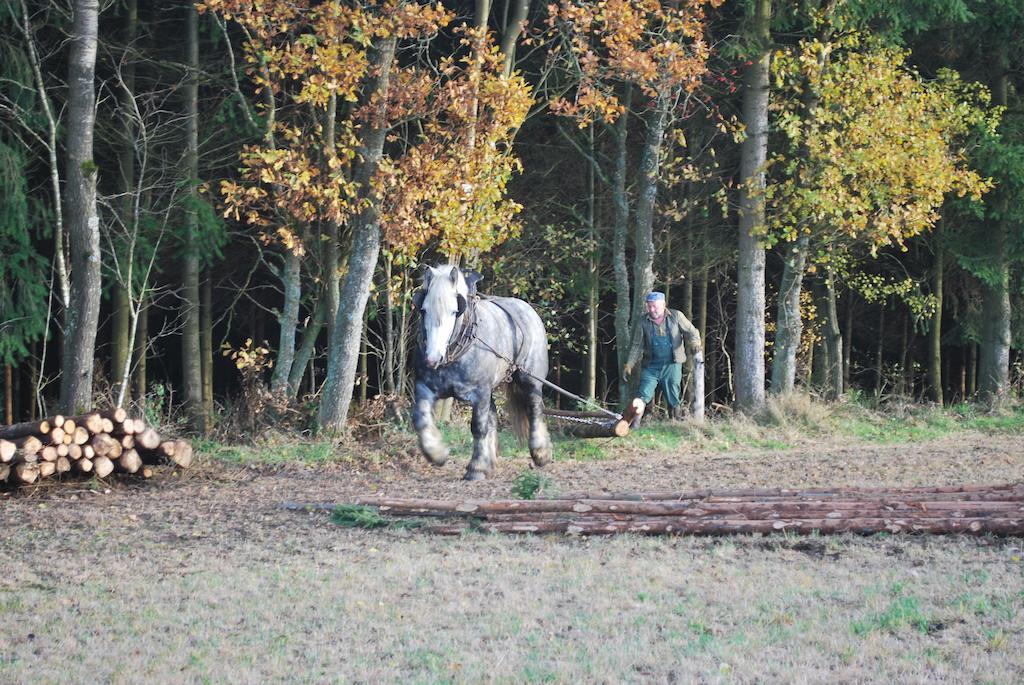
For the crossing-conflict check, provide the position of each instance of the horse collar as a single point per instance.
(462, 338)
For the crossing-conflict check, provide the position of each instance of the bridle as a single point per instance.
(463, 334)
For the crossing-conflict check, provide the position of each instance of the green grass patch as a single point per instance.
(529, 483)
(920, 424)
(581, 449)
(904, 610)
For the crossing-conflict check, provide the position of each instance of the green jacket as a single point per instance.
(684, 336)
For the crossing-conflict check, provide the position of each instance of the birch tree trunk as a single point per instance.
(83, 222)
(52, 126)
(288, 319)
(750, 328)
(789, 326)
(191, 363)
(345, 342)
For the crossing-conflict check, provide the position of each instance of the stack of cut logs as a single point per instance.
(97, 443)
(972, 509)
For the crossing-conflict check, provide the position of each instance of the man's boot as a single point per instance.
(677, 412)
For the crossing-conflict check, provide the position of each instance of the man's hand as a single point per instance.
(698, 357)
(627, 371)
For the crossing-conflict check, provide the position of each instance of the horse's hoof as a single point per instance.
(541, 456)
(474, 475)
(437, 459)
(434, 450)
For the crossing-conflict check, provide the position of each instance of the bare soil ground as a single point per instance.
(203, 577)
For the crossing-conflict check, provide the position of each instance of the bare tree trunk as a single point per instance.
(880, 350)
(305, 352)
(191, 363)
(647, 195)
(687, 305)
(403, 332)
(994, 368)
(620, 228)
(935, 331)
(750, 328)
(901, 384)
(83, 221)
(206, 343)
(288, 319)
(331, 259)
(820, 362)
(364, 371)
(972, 371)
(789, 325)
(963, 373)
(590, 370)
(343, 353)
(8, 394)
(833, 338)
(513, 29)
(52, 127)
(141, 348)
(120, 343)
(848, 339)
(389, 328)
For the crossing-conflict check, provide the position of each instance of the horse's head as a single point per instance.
(442, 299)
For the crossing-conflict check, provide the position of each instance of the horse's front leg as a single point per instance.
(540, 440)
(485, 438)
(431, 443)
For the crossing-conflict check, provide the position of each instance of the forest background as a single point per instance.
(226, 227)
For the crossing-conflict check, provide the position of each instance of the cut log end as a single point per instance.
(26, 473)
(178, 452)
(148, 439)
(102, 467)
(130, 461)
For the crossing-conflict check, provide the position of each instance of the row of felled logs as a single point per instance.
(97, 443)
(974, 509)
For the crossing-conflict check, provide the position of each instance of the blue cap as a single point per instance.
(655, 296)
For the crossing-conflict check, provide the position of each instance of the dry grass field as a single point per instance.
(203, 577)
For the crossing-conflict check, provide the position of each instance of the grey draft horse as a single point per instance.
(468, 346)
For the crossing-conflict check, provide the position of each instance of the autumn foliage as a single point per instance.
(449, 158)
(658, 46)
(875, 159)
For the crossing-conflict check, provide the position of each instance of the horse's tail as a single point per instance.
(517, 402)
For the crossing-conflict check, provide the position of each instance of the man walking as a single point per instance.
(665, 336)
